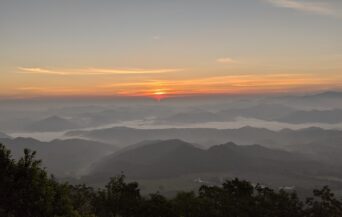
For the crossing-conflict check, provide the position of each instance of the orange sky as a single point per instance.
(169, 48)
(160, 83)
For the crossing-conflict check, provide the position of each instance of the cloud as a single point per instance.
(94, 71)
(225, 60)
(242, 83)
(168, 87)
(313, 7)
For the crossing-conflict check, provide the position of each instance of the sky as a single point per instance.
(161, 48)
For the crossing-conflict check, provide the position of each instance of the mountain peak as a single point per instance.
(52, 123)
(4, 135)
(327, 94)
(225, 146)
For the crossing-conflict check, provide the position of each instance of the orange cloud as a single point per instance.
(163, 88)
(221, 85)
(94, 71)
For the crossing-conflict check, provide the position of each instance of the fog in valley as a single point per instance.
(292, 141)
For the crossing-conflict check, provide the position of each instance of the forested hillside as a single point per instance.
(27, 190)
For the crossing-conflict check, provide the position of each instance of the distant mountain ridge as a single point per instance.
(327, 94)
(124, 136)
(324, 100)
(174, 158)
(51, 124)
(3, 135)
(264, 111)
(314, 116)
(192, 117)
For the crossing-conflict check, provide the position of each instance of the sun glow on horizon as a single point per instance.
(159, 94)
(160, 89)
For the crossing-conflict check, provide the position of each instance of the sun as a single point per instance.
(159, 94)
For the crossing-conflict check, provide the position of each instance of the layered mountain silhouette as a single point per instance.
(313, 116)
(326, 100)
(261, 111)
(51, 124)
(123, 136)
(327, 94)
(3, 135)
(175, 158)
(192, 117)
(326, 150)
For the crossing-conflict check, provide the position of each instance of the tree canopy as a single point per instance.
(26, 190)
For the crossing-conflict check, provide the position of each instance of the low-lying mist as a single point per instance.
(283, 140)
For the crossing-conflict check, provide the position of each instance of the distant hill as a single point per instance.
(325, 100)
(51, 124)
(124, 113)
(61, 157)
(262, 111)
(327, 150)
(314, 116)
(3, 135)
(123, 136)
(327, 94)
(175, 158)
(192, 117)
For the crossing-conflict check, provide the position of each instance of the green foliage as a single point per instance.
(323, 203)
(82, 199)
(188, 204)
(27, 191)
(118, 198)
(156, 206)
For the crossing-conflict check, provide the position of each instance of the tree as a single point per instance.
(26, 189)
(324, 203)
(118, 199)
(83, 199)
(187, 204)
(281, 204)
(156, 205)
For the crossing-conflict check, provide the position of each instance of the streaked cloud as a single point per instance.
(94, 71)
(322, 8)
(225, 60)
(244, 83)
(168, 87)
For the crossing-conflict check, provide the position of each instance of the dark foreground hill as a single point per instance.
(61, 157)
(27, 190)
(173, 159)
